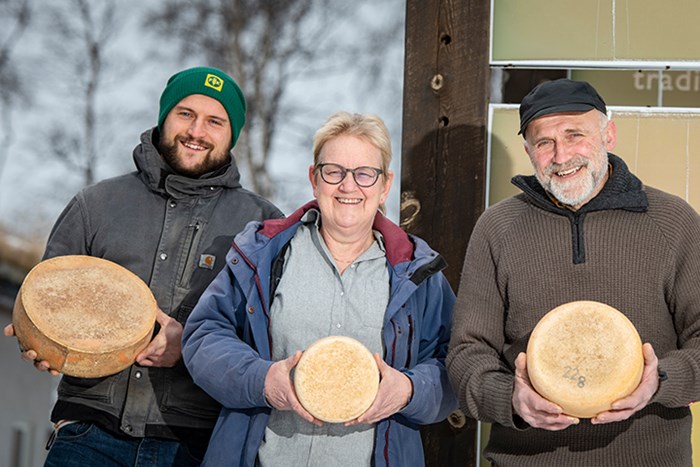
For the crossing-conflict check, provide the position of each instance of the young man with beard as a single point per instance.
(584, 228)
(171, 223)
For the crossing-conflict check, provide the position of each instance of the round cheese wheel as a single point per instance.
(583, 356)
(336, 379)
(86, 316)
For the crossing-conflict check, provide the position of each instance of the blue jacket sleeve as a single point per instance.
(218, 347)
(433, 398)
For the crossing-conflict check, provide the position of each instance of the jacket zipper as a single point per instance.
(579, 249)
(258, 286)
(410, 341)
(189, 259)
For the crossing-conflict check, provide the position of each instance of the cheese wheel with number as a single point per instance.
(88, 317)
(583, 356)
(336, 379)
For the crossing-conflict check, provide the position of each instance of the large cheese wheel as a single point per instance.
(336, 379)
(86, 316)
(583, 356)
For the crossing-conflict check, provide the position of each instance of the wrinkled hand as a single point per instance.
(624, 408)
(30, 355)
(537, 411)
(395, 392)
(165, 350)
(279, 389)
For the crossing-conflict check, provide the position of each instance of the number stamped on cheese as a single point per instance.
(572, 373)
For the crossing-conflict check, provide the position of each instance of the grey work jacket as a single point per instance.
(173, 232)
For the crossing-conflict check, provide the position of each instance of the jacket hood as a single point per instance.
(622, 190)
(160, 177)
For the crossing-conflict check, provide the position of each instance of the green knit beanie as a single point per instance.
(210, 82)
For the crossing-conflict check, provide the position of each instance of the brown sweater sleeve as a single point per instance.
(482, 378)
(679, 226)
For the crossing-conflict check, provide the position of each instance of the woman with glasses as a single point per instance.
(336, 266)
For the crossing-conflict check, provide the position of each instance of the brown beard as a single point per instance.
(169, 152)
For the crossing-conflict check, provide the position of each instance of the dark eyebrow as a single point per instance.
(218, 117)
(183, 107)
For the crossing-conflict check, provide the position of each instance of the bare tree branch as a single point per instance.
(84, 31)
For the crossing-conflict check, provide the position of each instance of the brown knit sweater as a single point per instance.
(633, 247)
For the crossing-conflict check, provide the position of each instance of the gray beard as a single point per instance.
(591, 183)
(560, 193)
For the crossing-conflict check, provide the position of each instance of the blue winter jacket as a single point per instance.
(227, 344)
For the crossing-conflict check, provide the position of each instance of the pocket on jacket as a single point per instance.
(185, 397)
(97, 389)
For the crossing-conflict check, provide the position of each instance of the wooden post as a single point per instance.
(446, 84)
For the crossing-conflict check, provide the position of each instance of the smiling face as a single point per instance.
(346, 208)
(569, 152)
(196, 136)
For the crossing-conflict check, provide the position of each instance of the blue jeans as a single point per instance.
(85, 444)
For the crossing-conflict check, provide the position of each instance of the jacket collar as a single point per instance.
(158, 175)
(622, 190)
(399, 247)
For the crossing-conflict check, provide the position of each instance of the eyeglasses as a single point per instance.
(364, 176)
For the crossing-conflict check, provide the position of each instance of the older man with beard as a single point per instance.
(170, 222)
(584, 228)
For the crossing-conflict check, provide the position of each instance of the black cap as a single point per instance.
(562, 95)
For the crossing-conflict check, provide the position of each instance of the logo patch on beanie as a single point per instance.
(214, 82)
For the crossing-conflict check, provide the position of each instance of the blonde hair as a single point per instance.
(370, 128)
